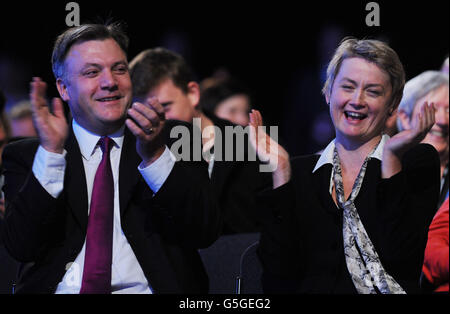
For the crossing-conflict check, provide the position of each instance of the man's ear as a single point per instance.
(404, 119)
(193, 93)
(62, 89)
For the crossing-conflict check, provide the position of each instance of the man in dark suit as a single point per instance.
(145, 213)
(235, 173)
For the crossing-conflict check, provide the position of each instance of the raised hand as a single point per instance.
(421, 124)
(146, 122)
(52, 127)
(396, 146)
(269, 150)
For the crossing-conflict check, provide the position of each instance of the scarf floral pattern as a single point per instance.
(362, 260)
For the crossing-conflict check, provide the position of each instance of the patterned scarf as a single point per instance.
(362, 260)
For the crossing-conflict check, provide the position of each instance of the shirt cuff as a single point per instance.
(157, 172)
(49, 168)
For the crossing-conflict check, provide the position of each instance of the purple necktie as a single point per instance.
(98, 256)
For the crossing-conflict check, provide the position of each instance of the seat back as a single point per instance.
(222, 261)
(249, 279)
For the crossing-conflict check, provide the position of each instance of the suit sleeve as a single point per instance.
(30, 209)
(406, 203)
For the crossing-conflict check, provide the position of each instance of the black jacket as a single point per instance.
(164, 231)
(302, 247)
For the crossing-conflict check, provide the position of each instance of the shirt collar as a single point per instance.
(87, 141)
(327, 155)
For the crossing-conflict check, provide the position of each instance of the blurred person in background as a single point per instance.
(21, 120)
(430, 86)
(229, 100)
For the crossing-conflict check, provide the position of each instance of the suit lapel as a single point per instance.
(129, 175)
(75, 181)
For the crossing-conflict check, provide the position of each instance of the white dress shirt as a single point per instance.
(49, 168)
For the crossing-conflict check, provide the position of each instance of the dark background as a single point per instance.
(278, 48)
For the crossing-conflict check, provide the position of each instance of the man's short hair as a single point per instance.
(153, 66)
(83, 33)
(373, 51)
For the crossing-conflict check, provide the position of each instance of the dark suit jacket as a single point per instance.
(302, 247)
(164, 231)
(444, 190)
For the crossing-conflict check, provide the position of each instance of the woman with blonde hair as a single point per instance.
(355, 218)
